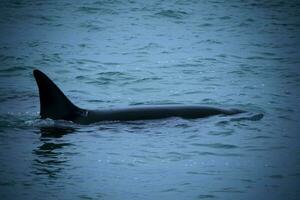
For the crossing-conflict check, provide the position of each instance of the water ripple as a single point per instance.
(216, 145)
(175, 14)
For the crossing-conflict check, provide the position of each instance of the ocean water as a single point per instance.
(235, 54)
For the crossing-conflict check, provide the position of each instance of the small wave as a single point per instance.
(169, 190)
(95, 10)
(111, 63)
(52, 128)
(16, 4)
(111, 73)
(229, 190)
(13, 95)
(81, 77)
(90, 26)
(172, 14)
(27, 120)
(107, 3)
(50, 123)
(161, 102)
(40, 122)
(276, 176)
(225, 17)
(205, 25)
(255, 117)
(243, 24)
(13, 69)
(206, 153)
(149, 46)
(210, 41)
(15, 120)
(146, 79)
(216, 145)
(206, 196)
(7, 58)
(112, 77)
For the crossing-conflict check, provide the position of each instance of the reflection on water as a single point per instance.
(50, 159)
(55, 132)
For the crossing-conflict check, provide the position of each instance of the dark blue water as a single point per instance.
(240, 54)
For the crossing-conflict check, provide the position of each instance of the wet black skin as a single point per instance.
(152, 112)
(55, 105)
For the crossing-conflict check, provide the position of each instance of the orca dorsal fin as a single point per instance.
(53, 103)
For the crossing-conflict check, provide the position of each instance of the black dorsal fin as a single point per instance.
(53, 103)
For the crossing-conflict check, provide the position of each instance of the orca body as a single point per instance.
(55, 105)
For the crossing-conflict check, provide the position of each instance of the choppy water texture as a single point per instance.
(241, 54)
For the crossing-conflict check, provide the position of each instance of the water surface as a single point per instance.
(240, 54)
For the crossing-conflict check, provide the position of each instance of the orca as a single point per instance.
(55, 105)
